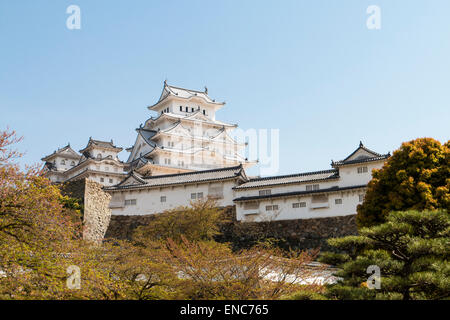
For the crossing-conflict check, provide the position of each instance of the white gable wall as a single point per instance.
(349, 175)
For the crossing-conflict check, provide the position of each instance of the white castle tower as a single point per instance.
(184, 136)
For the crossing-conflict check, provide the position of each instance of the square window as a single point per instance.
(302, 204)
(163, 198)
(316, 187)
(309, 188)
(296, 205)
(200, 195)
(362, 169)
(110, 180)
(102, 180)
(268, 208)
(193, 196)
(275, 207)
(338, 201)
(130, 202)
(361, 198)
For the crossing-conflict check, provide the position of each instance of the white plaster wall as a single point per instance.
(349, 175)
(174, 106)
(67, 165)
(285, 211)
(148, 201)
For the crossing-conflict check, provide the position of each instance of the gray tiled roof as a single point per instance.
(69, 154)
(360, 160)
(370, 156)
(181, 178)
(184, 93)
(292, 178)
(99, 143)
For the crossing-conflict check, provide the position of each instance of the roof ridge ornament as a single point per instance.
(206, 89)
(361, 144)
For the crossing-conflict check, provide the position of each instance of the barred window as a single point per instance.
(338, 201)
(264, 192)
(361, 197)
(311, 187)
(163, 198)
(362, 169)
(193, 196)
(130, 202)
(299, 205)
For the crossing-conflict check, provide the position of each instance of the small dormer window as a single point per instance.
(72, 163)
(99, 156)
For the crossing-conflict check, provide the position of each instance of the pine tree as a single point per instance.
(411, 250)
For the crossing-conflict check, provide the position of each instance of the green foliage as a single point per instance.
(411, 249)
(416, 177)
(306, 293)
(72, 204)
(198, 222)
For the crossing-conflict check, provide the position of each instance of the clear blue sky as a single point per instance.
(309, 68)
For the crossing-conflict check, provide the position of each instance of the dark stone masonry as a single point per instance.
(296, 234)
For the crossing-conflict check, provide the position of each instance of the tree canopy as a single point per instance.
(416, 176)
(410, 249)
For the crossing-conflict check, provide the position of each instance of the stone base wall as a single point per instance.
(96, 213)
(297, 234)
(122, 227)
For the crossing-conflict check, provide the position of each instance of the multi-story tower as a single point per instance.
(184, 136)
(98, 161)
(61, 160)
